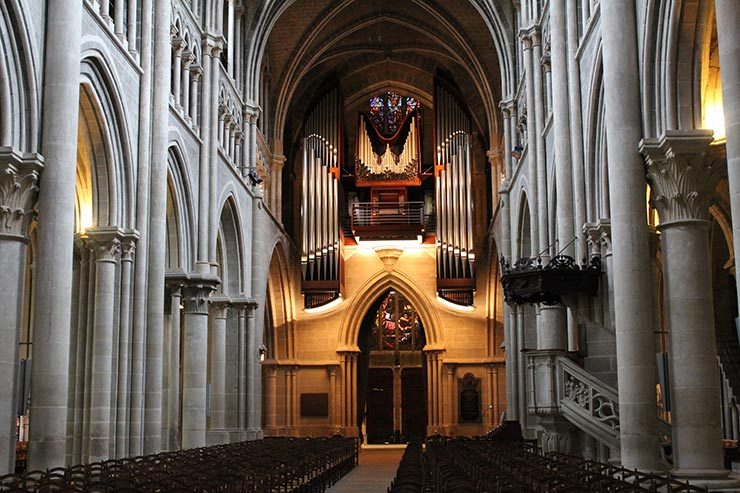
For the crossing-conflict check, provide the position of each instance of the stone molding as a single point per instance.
(683, 172)
(19, 190)
(389, 256)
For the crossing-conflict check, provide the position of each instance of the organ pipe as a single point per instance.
(320, 248)
(453, 187)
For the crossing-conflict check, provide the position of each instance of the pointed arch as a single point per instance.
(279, 306)
(19, 96)
(368, 294)
(180, 214)
(231, 250)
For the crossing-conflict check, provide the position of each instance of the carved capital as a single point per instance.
(220, 308)
(683, 173)
(106, 242)
(599, 237)
(196, 71)
(128, 246)
(19, 190)
(389, 256)
(196, 294)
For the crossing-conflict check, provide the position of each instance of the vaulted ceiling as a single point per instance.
(370, 46)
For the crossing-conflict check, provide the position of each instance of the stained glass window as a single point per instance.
(397, 325)
(388, 112)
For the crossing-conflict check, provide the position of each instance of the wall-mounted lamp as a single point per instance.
(253, 178)
(263, 352)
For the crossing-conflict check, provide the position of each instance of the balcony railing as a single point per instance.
(376, 220)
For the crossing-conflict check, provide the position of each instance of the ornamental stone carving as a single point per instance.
(196, 294)
(683, 173)
(19, 189)
(106, 243)
(599, 237)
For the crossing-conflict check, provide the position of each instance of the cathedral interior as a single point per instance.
(243, 234)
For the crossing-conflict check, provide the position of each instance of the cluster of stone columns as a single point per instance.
(186, 74)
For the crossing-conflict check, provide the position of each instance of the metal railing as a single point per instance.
(368, 214)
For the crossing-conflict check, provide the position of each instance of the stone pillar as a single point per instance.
(683, 177)
(187, 60)
(728, 38)
(196, 73)
(124, 346)
(213, 212)
(230, 35)
(141, 267)
(271, 399)
(241, 364)
(157, 231)
(527, 39)
(195, 361)
(107, 246)
(207, 133)
(131, 27)
(561, 127)
(19, 178)
(219, 311)
(540, 154)
(632, 288)
(333, 425)
(278, 163)
(179, 45)
(253, 374)
(55, 236)
(171, 439)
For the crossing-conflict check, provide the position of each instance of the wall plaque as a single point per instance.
(315, 405)
(469, 399)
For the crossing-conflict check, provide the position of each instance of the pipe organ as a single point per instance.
(453, 196)
(321, 260)
(390, 159)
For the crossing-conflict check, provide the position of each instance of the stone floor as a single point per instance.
(375, 472)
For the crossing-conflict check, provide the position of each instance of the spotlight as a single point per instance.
(517, 152)
(262, 352)
(254, 179)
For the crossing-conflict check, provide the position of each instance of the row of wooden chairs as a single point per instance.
(411, 475)
(272, 465)
(492, 465)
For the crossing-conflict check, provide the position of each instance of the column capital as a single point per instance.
(508, 107)
(530, 37)
(19, 190)
(599, 237)
(683, 172)
(128, 246)
(252, 112)
(178, 44)
(220, 307)
(106, 242)
(196, 71)
(213, 45)
(196, 293)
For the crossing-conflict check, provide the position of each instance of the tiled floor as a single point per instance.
(374, 474)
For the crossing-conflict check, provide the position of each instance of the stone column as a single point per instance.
(207, 133)
(271, 398)
(683, 177)
(187, 60)
(131, 27)
(55, 236)
(196, 73)
(171, 440)
(561, 127)
(230, 35)
(179, 45)
(211, 224)
(241, 399)
(118, 21)
(531, 116)
(254, 373)
(196, 295)
(157, 231)
(19, 178)
(141, 267)
(124, 346)
(541, 156)
(107, 245)
(219, 311)
(632, 288)
(728, 37)
(333, 425)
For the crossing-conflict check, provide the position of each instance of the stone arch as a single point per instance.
(230, 251)
(105, 174)
(368, 294)
(19, 104)
(180, 248)
(596, 157)
(524, 225)
(279, 306)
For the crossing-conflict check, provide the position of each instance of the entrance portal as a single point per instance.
(392, 383)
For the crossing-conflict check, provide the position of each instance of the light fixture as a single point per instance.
(262, 352)
(253, 178)
(517, 152)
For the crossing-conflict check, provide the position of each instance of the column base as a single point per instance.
(712, 479)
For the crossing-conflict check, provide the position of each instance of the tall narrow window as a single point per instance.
(397, 325)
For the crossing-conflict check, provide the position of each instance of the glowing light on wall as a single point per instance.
(714, 116)
(84, 213)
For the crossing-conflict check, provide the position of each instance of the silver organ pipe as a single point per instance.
(320, 200)
(453, 187)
